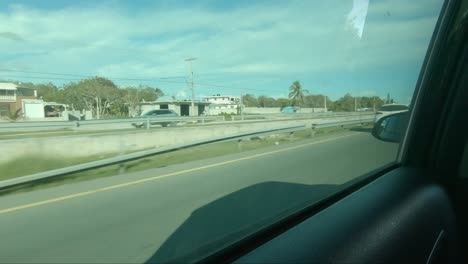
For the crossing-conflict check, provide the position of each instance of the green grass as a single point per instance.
(33, 164)
(30, 164)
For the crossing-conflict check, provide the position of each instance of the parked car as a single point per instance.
(154, 115)
(388, 109)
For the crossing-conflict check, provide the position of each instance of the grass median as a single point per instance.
(33, 164)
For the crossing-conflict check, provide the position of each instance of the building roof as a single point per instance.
(173, 100)
(165, 99)
(8, 86)
(217, 96)
(13, 86)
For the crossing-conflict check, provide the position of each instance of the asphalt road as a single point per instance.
(164, 213)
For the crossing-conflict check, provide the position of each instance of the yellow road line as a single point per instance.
(122, 185)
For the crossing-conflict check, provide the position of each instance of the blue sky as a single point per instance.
(258, 47)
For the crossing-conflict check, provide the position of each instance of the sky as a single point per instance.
(361, 47)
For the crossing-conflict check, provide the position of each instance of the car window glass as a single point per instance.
(168, 130)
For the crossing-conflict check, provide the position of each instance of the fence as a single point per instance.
(304, 115)
(105, 124)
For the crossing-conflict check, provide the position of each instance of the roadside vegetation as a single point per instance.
(14, 116)
(106, 99)
(36, 164)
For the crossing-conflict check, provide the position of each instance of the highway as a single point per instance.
(163, 213)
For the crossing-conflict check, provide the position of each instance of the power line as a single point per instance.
(147, 80)
(160, 79)
(77, 79)
(88, 76)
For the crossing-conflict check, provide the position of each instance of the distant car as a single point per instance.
(289, 110)
(388, 109)
(153, 115)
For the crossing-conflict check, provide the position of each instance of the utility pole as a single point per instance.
(241, 111)
(324, 97)
(373, 107)
(189, 60)
(325, 102)
(98, 111)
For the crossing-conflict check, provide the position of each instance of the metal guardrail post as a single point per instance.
(121, 153)
(147, 123)
(313, 131)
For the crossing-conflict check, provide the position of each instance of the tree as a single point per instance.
(266, 101)
(97, 94)
(135, 95)
(371, 102)
(49, 92)
(296, 94)
(148, 93)
(315, 100)
(345, 103)
(282, 103)
(250, 100)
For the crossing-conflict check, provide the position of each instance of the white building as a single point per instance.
(180, 106)
(223, 99)
(222, 104)
(37, 109)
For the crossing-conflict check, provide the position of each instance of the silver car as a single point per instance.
(153, 118)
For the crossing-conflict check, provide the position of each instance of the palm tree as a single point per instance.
(296, 93)
(14, 116)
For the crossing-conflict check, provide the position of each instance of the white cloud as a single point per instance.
(272, 42)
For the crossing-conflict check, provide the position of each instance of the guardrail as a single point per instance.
(301, 115)
(343, 123)
(15, 182)
(148, 121)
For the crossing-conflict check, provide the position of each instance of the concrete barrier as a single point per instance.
(121, 143)
(83, 145)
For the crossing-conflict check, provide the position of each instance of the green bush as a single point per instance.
(14, 116)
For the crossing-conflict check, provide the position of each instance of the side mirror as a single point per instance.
(391, 128)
